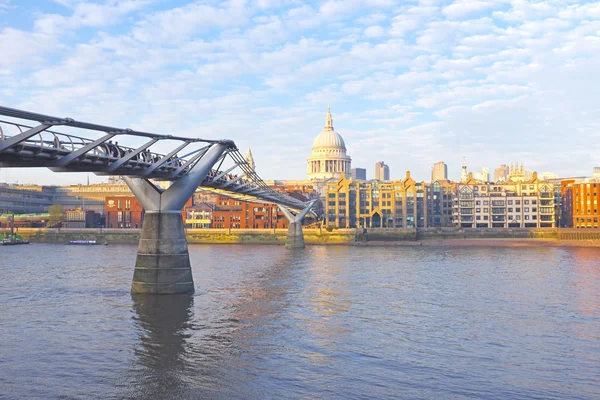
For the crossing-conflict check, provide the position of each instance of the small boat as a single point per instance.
(85, 242)
(14, 241)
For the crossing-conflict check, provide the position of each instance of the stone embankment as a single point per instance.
(358, 237)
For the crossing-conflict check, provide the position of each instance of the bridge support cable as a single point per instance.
(295, 237)
(163, 264)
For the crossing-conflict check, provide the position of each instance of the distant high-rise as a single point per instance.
(439, 171)
(382, 171)
(359, 173)
(463, 174)
(546, 176)
(483, 175)
(596, 172)
(501, 173)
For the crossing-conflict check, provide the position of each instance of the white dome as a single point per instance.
(329, 159)
(329, 139)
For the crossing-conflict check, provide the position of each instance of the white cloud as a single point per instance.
(434, 78)
(374, 31)
(463, 8)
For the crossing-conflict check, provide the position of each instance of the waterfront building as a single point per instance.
(123, 212)
(388, 204)
(198, 217)
(382, 171)
(580, 203)
(515, 204)
(501, 173)
(80, 218)
(359, 173)
(439, 171)
(328, 159)
(25, 199)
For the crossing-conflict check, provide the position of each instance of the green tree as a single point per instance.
(56, 216)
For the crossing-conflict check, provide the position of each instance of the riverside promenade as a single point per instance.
(359, 237)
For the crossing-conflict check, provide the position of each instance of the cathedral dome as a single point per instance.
(329, 159)
(329, 139)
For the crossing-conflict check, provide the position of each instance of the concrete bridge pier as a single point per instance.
(295, 237)
(163, 265)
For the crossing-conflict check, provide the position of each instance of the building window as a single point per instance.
(127, 204)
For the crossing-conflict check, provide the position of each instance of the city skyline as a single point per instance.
(411, 84)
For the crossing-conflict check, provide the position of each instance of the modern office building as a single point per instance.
(439, 172)
(382, 171)
(359, 173)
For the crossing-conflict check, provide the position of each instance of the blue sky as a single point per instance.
(409, 82)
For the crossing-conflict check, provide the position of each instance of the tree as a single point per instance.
(56, 216)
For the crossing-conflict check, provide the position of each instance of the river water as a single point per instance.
(327, 322)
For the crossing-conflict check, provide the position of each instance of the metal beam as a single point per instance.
(199, 154)
(231, 182)
(163, 160)
(21, 137)
(114, 166)
(222, 174)
(178, 194)
(69, 158)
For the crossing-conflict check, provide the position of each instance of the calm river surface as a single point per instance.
(326, 322)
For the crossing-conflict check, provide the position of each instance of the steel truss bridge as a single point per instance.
(37, 143)
(30, 139)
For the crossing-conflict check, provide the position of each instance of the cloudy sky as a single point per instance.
(409, 82)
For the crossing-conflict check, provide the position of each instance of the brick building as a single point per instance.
(580, 202)
(235, 214)
(127, 212)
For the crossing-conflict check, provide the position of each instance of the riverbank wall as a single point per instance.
(323, 236)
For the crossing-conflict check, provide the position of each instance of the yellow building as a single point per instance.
(391, 204)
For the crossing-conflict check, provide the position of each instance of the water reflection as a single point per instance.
(163, 322)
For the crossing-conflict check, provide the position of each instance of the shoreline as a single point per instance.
(484, 242)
